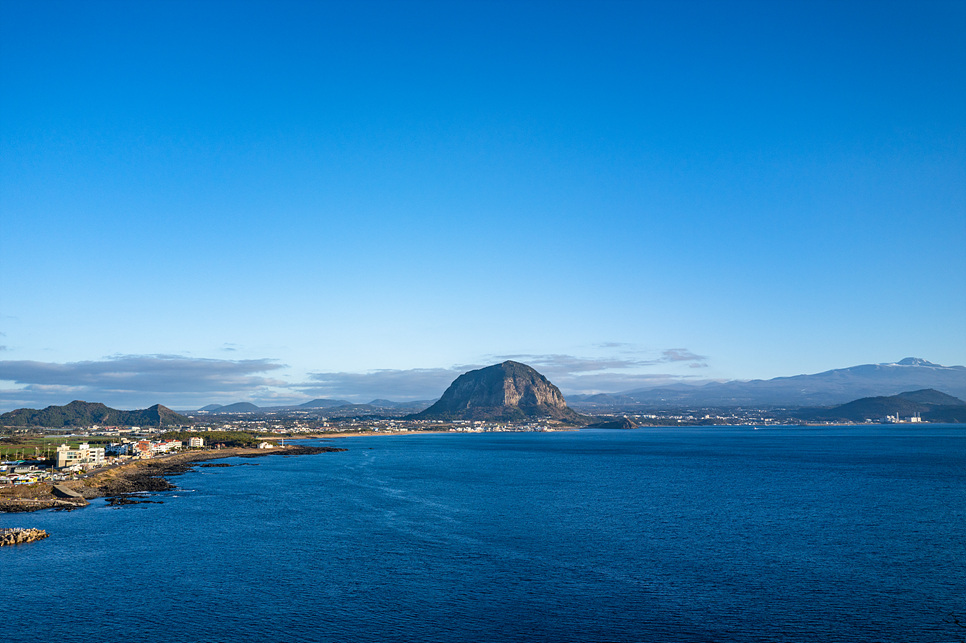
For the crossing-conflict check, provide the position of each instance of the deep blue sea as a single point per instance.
(704, 534)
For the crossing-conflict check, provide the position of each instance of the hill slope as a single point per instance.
(237, 407)
(322, 403)
(932, 405)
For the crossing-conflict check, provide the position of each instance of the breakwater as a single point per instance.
(19, 536)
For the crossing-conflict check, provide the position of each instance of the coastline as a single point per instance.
(131, 477)
(139, 476)
(356, 434)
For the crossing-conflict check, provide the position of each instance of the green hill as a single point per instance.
(237, 407)
(83, 414)
(930, 404)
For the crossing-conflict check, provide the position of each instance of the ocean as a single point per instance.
(696, 534)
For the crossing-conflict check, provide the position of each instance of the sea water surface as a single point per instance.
(703, 534)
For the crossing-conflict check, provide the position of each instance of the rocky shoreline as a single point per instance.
(130, 478)
(19, 536)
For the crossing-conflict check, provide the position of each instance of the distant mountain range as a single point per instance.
(322, 403)
(807, 392)
(83, 414)
(821, 389)
(330, 406)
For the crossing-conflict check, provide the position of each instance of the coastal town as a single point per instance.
(30, 455)
(58, 456)
(66, 462)
(80, 442)
(73, 475)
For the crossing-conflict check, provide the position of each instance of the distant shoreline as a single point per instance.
(353, 434)
(140, 476)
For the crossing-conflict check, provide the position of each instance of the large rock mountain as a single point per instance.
(79, 413)
(506, 392)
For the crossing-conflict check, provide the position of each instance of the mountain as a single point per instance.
(417, 405)
(322, 403)
(601, 402)
(821, 389)
(931, 397)
(79, 414)
(508, 391)
(237, 407)
(932, 405)
(621, 423)
(210, 407)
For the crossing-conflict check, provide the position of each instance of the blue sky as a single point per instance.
(269, 202)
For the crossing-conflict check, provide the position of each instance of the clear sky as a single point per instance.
(211, 202)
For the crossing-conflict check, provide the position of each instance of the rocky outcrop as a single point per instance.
(150, 475)
(619, 423)
(43, 500)
(506, 392)
(63, 491)
(18, 536)
(135, 477)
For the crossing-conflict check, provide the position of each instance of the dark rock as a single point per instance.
(126, 499)
(622, 423)
(505, 392)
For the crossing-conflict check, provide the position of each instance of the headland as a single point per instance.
(131, 477)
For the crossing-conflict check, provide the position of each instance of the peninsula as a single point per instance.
(131, 477)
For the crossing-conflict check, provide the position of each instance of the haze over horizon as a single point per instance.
(218, 202)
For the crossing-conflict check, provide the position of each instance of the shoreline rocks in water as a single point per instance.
(130, 499)
(135, 477)
(19, 536)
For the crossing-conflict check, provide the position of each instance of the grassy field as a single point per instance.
(18, 447)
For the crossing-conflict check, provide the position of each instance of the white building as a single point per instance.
(196, 442)
(164, 447)
(83, 455)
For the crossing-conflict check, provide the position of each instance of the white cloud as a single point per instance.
(570, 373)
(138, 381)
(135, 381)
(680, 355)
(398, 385)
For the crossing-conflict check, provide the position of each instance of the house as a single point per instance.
(195, 443)
(118, 449)
(164, 447)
